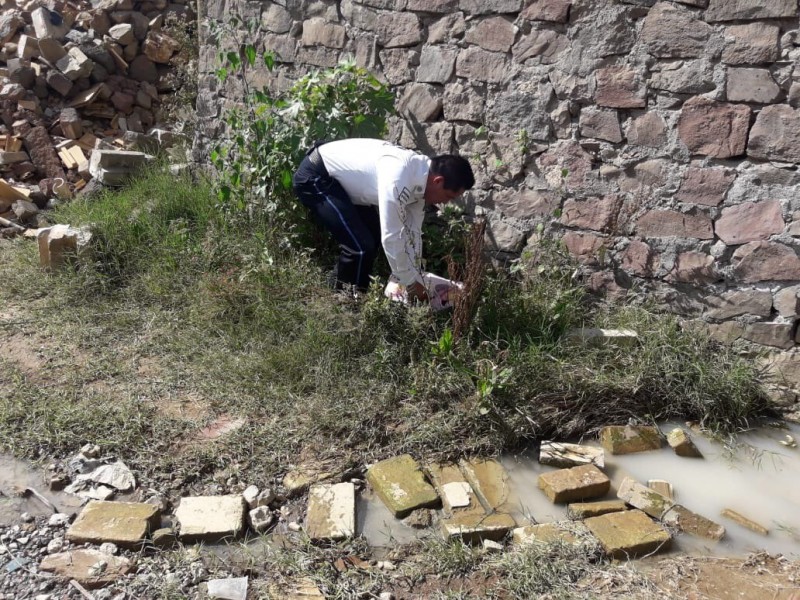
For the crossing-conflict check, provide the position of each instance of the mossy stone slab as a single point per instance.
(629, 439)
(125, 524)
(401, 485)
(628, 534)
(586, 510)
(644, 498)
(577, 483)
(568, 532)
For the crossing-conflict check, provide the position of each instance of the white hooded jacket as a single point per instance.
(377, 173)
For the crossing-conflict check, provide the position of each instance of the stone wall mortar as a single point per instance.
(661, 137)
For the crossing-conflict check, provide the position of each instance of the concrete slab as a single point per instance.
(577, 483)
(628, 534)
(564, 455)
(644, 498)
(445, 475)
(401, 485)
(744, 521)
(628, 439)
(568, 532)
(682, 444)
(585, 510)
(331, 512)
(690, 522)
(80, 565)
(589, 336)
(125, 524)
(491, 483)
(473, 527)
(210, 518)
(662, 487)
(471, 522)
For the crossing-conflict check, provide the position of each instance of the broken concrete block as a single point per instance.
(71, 123)
(491, 483)
(603, 337)
(627, 439)
(232, 588)
(59, 82)
(260, 519)
(25, 211)
(628, 534)
(75, 65)
(683, 445)
(744, 521)
(690, 522)
(59, 242)
(576, 483)
(471, 522)
(159, 47)
(662, 487)
(456, 494)
(569, 532)
(210, 518)
(164, 537)
(123, 523)
(27, 47)
(114, 167)
(644, 498)
(331, 512)
(122, 34)
(250, 494)
(44, 26)
(563, 455)
(10, 158)
(584, 510)
(51, 50)
(81, 565)
(449, 476)
(401, 486)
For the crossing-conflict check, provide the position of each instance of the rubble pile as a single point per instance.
(77, 77)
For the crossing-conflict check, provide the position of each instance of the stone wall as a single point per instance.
(659, 140)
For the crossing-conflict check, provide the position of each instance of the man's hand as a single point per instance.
(416, 292)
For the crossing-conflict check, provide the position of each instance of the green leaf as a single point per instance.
(269, 60)
(250, 53)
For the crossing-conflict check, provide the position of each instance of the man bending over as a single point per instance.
(368, 192)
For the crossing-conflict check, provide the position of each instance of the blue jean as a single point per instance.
(355, 228)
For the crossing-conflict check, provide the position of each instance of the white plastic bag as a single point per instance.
(439, 291)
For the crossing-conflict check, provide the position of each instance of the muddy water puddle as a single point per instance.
(17, 475)
(759, 479)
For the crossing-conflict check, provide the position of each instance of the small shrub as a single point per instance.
(267, 137)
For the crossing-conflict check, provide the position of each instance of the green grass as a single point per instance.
(183, 303)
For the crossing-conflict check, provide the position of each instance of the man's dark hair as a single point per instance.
(456, 171)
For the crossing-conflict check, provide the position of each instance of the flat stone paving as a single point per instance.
(400, 483)
(629, 439)
(570, 532)
(472, 522)
(123, 523)
(80, 566)
(628, 534)
(210, 518)
(578, 483)
(331, 512)
(584, 510)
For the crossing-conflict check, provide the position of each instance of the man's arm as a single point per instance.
(400, 225)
